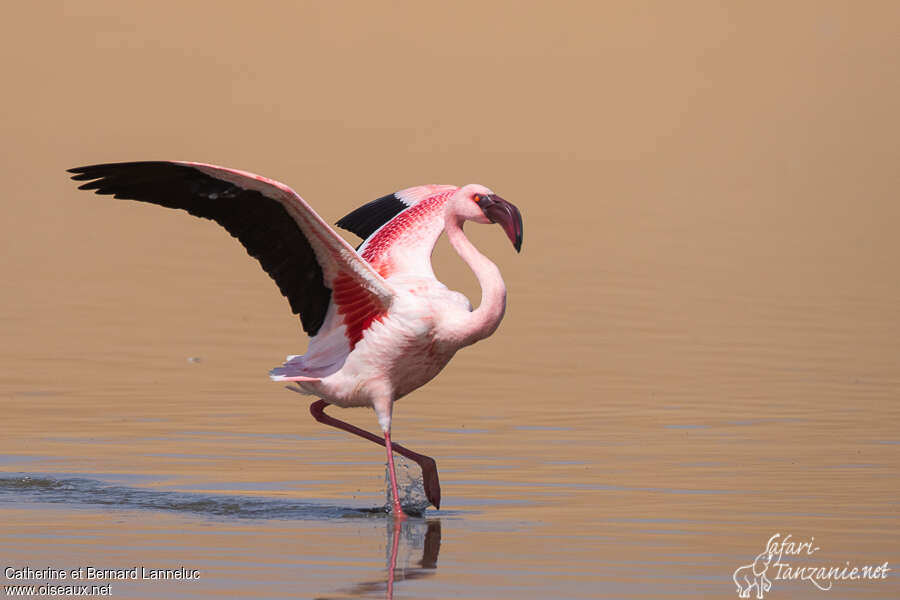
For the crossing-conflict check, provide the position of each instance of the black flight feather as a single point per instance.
(367, 219)
(261, 224)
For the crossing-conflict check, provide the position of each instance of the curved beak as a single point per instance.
(499, 211)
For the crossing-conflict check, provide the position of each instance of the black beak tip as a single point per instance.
(498, 210)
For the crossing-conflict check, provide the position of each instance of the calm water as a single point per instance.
(700, 349)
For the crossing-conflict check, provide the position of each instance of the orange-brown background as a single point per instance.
(702, 339)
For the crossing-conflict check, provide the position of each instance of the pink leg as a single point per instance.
(392, 568)
(426, 463)
(396, 509)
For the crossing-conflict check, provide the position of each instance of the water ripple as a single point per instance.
(90, 492)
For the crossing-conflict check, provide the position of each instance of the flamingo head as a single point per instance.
(477, 203)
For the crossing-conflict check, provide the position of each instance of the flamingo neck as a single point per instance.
(485, 319)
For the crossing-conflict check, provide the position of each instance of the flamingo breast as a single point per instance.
(397, 350)
(401, 351)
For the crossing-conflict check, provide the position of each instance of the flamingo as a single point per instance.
(380, 322)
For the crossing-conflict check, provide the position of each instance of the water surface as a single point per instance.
(700, 347)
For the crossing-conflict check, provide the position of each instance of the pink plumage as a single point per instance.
(381, 324)
(404, 243)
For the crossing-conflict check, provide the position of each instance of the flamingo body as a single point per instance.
(381, 324)
(413, 340)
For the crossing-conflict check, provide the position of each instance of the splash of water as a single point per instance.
(410, 487)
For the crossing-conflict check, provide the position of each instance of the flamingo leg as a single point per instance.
(395, 494)
(426, 463)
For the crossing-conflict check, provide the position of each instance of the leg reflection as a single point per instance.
(404, 540)
(431, 547)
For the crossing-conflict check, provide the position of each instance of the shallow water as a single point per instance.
(700, 347)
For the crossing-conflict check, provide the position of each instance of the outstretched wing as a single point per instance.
(400, 229)
(369, 218)
(311, 264)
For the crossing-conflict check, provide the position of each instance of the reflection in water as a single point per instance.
(415, 534)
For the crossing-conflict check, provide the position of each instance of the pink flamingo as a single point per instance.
(381, 324)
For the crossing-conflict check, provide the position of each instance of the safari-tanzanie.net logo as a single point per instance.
(785, 559)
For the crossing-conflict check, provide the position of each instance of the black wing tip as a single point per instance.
(98, 176)
(83, 173)
(104, 168)
(87, 169)
(260, 223)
